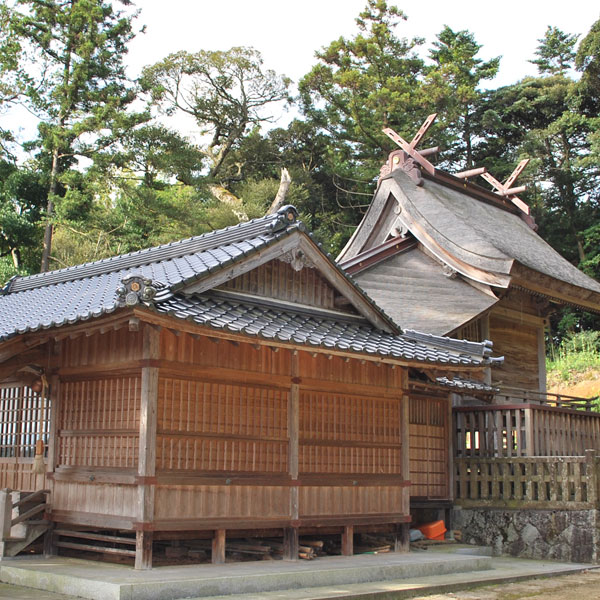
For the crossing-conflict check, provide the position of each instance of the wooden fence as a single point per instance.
(566, 482)
(518, 430)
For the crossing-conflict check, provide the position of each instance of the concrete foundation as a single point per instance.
(565, 535)
(102, 581)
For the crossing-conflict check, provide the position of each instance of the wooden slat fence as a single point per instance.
(524, 430)
(566, 482)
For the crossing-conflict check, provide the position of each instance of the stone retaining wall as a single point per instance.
(565, 535)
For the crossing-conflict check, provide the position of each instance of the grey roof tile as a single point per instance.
(317, 330)
(466, 384)
(90, 290)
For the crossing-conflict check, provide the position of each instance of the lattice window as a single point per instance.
(24, 417)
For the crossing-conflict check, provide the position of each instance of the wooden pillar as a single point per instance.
(143, 550)
(591, 477)
(5, 513)
(530, 449)
(290, 543)
(450, 435)
(348, 540)
(147, 448)
(49, 548)
(218, 547)
(53, 459)
(402, 541)
(405, 441)
(541, 340)
(290, 534)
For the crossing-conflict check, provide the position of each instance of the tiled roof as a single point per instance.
(90, 290)
(312, 329)
(466, 384)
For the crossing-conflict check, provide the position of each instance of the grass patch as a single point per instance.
(577, 354)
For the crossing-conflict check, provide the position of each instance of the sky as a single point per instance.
(288, 33)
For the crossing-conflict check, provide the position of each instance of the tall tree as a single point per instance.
(82, 93)
(555, 53)
(453, 83)
(12, 78)
(365, 83)
(587, 61)
(227, 93)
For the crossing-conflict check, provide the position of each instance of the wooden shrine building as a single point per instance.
(238, 382)
(443, 255)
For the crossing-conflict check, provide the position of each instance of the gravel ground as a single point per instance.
(580, 586)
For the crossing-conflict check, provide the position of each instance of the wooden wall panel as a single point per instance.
(17, 474)
(220, 427)
(105, 499)
(112, 347)
(206, 352)
(206, 502)
(321, 367)
(518, 343)
(429, 442)
(346, 500)
(277, 279)
(110, 403)
(98, 424)
(349, 434)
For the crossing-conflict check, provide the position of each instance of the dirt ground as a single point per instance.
(580, 586)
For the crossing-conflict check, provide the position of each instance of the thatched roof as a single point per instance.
(485, 241)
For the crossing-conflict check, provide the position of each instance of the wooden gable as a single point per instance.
(279, 280)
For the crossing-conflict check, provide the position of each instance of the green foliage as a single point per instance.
(366, 83)
(82, 94)
(579, 352)
(227, 93)
(453, 84)
(22, 199)
(556, 52)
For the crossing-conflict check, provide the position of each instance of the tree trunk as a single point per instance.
(284, 186)
(49, 213)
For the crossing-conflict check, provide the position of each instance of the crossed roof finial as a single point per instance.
(502, 189)
(411, 148)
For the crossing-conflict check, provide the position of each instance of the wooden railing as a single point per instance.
(505, 430)
(508, 395)
(16, 508)
(568, 482)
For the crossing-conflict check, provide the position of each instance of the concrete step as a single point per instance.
(506, 570)
(102, 581)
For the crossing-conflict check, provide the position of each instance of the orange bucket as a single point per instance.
(433, 531)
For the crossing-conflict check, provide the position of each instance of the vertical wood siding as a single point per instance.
(220, 427)
(98, 423)
(429, 439)
(277, 279)
(349, 434)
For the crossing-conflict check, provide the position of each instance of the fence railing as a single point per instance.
(502, 430)
(566, 482)
(508, 395)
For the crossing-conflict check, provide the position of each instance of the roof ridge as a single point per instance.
(268, 224)
(480, 348)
